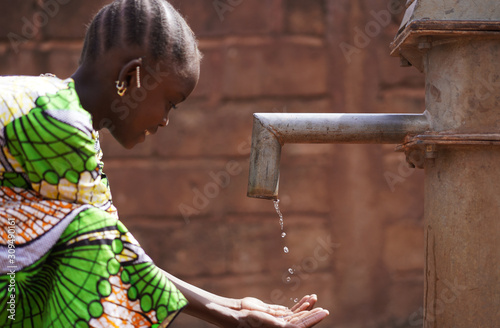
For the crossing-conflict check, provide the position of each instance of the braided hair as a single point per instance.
(150, 24)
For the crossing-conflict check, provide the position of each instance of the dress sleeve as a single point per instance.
(55, 147)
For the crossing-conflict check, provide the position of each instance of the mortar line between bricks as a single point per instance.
(169, 162)
(69, 44)
(277, 98)
(201, 161)
(223, 219)
(236, 275)
(259, 40)
(315, 215)
(142, 219)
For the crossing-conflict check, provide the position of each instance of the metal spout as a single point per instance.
(272, 130)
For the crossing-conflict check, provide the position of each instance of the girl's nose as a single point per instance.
(164, 122)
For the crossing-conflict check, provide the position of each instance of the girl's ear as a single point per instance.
(128, 74)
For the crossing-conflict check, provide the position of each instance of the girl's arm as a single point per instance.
(247, 312)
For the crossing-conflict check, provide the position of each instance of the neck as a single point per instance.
(90, 90)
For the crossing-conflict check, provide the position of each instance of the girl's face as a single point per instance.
(141, 111)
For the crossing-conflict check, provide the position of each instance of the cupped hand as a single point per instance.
(257, 314)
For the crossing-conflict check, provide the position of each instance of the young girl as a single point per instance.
(66, 260)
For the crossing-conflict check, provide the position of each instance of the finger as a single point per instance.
(278, 311)
(254, 304)
(310, 319)
(299, 317)
(299, 304)
(313, 319)
(310, 299)
(259, 319)
(304, 307)
(313, 299)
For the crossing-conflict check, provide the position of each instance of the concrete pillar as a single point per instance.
(462, 186)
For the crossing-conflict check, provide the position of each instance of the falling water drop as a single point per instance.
(285, 249)
(283, 234)
(290, 270)
(288, 279)
(296, 300)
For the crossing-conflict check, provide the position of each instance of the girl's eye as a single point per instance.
(172, 105)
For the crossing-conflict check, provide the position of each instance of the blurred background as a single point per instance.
(352, 213)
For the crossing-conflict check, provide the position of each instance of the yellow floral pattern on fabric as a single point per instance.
(47, 148)
(76, 263)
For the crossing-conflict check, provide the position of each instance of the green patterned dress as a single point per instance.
(65, 258)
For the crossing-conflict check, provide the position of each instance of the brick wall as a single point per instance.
(353, 213)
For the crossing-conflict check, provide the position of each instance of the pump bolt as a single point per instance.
(430, 151)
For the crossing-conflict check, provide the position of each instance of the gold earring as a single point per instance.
(120, 88)
(138, 75)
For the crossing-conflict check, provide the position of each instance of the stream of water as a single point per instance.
(286, 250)
(282, 226)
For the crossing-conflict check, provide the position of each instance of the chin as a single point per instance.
(129, 146)
(128, 142)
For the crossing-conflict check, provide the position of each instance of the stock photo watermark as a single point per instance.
(448, 295)
(323, 251)
(363, 36)
(489, 87)
(11, 267)
(201, 198)
(131, 99)
(223, 6)
(31, 26)
(295, 275)
(218, 181)
(404, 170)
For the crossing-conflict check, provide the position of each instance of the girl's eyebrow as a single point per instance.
(183, 99)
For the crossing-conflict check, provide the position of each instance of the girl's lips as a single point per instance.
(152, 131)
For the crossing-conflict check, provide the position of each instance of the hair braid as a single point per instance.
(154, 24)
(135, 13)
(112, 26)
(159, 36)
(91, 46)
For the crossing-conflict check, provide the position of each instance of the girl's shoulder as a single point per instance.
(31, 85)
(20, 95)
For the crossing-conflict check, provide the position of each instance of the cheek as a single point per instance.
(156, 115)
(122, 137)
(128, 128)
